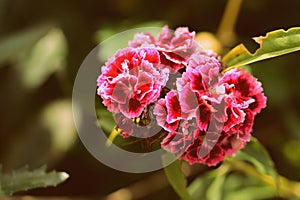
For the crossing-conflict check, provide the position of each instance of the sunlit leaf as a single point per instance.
(14, 45)
(47, 56)
(176, 177)
(274, 44)
(57, 118)
(45, 138)
(24, 179)
(255, 153)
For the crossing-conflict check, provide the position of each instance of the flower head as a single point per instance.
(174, 48)
(131, 80)
(217, 112)
(173, 87)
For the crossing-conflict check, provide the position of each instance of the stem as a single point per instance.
(225, 33)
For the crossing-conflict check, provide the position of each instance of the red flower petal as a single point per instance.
(259, 103)
(203, 116)
(173, 107)
(132, 108)
(188, 100)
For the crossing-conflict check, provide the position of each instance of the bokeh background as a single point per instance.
(43, 43)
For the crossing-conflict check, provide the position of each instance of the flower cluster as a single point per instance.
(170, 82)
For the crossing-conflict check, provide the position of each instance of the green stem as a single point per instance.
(287, 188)
(225, 33)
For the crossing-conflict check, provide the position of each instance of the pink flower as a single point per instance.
(181, 42)
(245, 101)
(142, 40)
(174, 49)
(131, 80)
(205, 114)
(245, 87)
(168, 112)
(179, 141)
(217, 112)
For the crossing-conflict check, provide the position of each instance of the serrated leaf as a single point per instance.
(176, 177)
(274, 44)
(255, 153)
(24, 179)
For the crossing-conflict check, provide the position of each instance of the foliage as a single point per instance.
(176, 177)
(36, 88)
(274, 44)
(211, 186)
(256, 154)
(24, 179)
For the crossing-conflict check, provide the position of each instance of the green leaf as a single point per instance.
(274, 44)
(57, 118)
(23, 179)
(45, 138)
(255, 153)
(215, 190)
(252, 193)
(176, 177)
(47, 56)
(224, 184)
(210, 185)
(113, 39)
(198, 188)
(108, 31)
(106, 120)
(243, 186)
(20, 42)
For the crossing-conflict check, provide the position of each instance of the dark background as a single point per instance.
(25, 137)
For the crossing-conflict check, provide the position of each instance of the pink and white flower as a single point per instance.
(174, 48)
(205, 115)
(218, 109)
(131, 80)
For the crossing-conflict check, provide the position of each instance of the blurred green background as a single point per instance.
(43, 43)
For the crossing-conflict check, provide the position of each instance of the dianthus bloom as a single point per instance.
(209, 116)
(130, 81)
(204, 115)
(174, 49)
